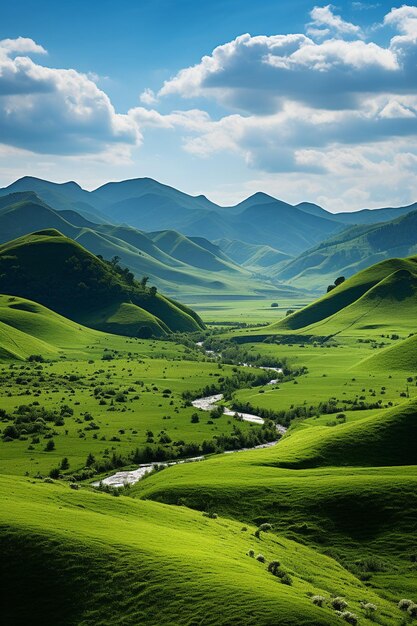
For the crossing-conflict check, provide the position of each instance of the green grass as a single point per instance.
(146, 406)
(381, 297)
(121, 561)
(341, 496)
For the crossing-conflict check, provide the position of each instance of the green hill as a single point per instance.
(87, 558)
(354, 249)
(401, 356)
(258, 258)
(387, 438)
(56, 271)
(382, 296)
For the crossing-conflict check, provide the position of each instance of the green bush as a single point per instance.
(318, 600)
(286, 579)
(404, 604)
(338, 603)
(349, 617)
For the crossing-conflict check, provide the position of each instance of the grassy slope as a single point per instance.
(402, 356)
(58, 272)
(382, 295)
(353, 250)
(106, 560)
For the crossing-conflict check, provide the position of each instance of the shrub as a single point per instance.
(54, 473)
(50, 446)
(74, 486)
(262, 528)
(318, 600)
(349, 617)
(210, 515)
(261, 558)
(412, 610)
(65, 463)
(194, 418)
(369, 608)
(273, 567)
(404, 604)
(286, 579)
(339, 603)
(251, 553)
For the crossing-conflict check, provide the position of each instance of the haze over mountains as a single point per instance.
(260, 246)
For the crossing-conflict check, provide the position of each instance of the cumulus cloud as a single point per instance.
(148, 97)
(324, 21)
(288, 95)
(55, 111)
(258, 74)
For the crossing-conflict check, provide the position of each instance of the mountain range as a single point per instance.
(187, 244)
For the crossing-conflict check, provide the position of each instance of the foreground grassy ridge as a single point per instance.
(120, 561)
(363, 517)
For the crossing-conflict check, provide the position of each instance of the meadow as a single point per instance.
(197, 543)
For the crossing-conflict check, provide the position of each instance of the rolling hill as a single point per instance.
(401, 356)
(175, 263)
(352, 250)
(89, 558)
(59, 273)
(381, 297)
(257, 258)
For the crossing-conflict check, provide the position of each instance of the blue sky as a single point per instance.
(96, 91)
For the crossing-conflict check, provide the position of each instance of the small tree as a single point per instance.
(143, 281)
(152, 291)
(339, 280)
(90, 460)
(194, 418)
(50, 446)
(54, 473)
(274, 305)
(65, 463)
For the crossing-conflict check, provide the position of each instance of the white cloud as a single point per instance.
(55, 111)
(21, 45)
(324, 20)
(257, 74)
(148, 97)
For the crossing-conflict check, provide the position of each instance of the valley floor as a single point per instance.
(334, 501)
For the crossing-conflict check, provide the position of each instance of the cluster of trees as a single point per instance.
(237, 440)
(32, 420)
(226, 386)
(337, 282)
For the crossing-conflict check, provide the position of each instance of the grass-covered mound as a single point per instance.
(28, 328)
(381, 296)
(401, 356)
(366, 518)
(387, 438)
(59, 273)
(84, 558)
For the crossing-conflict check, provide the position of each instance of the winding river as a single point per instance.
(120, 479)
